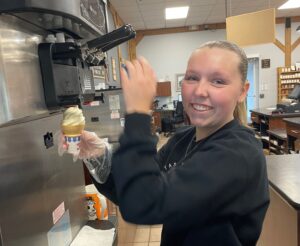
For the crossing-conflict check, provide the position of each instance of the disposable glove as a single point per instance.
(95, 152)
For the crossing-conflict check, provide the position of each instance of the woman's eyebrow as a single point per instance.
(192, 72)
(218, 74)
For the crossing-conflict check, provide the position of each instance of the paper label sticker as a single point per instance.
(115, 114)
(58, 212)
(114, 102)
(94, 103)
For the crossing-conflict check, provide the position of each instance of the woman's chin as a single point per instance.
(199, 123)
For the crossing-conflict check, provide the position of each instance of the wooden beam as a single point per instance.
(295, 44)
(132, 49)
(279, 45)
(295, 18)
(117, 19)
(281, 20)
(138, 37)
(288, 46)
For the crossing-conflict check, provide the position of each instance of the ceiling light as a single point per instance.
(176, 13)
(290, 4)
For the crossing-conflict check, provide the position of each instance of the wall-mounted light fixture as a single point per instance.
(298, 29)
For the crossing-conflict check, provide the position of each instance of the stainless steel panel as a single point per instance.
(99, 118)
(34, 181)
(21, 90)
(86, 18)
(75, 8)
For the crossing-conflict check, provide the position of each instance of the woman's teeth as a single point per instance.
(201, 107)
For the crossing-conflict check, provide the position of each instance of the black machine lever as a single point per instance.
(67, 79)
(112, 39)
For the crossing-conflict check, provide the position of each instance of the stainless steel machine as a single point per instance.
(42, 194)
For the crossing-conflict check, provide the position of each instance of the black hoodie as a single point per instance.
(211, 192)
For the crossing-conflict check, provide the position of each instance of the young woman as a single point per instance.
(208, 185)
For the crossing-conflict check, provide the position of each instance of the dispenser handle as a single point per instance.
(112, 39)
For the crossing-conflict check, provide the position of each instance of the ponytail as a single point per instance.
(240, 113)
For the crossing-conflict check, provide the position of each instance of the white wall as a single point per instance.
(169, 53)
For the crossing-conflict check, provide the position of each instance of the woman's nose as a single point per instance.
(201, 88)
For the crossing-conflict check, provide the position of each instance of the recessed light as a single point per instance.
(177, 12)
(290, 4)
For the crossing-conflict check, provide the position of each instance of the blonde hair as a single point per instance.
(240, 112)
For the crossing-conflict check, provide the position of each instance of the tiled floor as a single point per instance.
(143, 236)
(140, 235)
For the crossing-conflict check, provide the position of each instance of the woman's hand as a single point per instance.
(91, 146)
(139, 86)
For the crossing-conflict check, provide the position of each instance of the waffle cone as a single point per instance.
(72, 130)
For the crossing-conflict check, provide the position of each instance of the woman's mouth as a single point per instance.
(201, 107)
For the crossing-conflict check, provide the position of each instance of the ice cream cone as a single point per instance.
(72, 126)
(70, 131)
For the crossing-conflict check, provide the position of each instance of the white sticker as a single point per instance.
(114, 102)
(94, 103)
(100, 86)
(115, 114)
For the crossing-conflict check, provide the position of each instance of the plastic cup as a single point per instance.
(73, 144)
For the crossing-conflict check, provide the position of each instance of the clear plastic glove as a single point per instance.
(95, 153)
(90, 146)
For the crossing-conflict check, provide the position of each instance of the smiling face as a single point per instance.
(212, 87)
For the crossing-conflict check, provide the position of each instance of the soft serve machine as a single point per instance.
(42, 194)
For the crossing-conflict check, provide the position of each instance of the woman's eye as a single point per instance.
(218, 81)
(191, 79)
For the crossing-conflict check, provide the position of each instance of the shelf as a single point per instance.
(286, 78)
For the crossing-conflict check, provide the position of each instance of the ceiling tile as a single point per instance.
(133, 18)
(152, 7)
(199, 15)
(131, 9)
(195, 21)
(170, 4)
(214, 19)
(218, 10)
(142, 2)
(200, 9)
(155, 25)
(138, 25)
(154, 14)
(147, 17)
(122, 3)
(202, 2)
(151, 13)
(175, 23)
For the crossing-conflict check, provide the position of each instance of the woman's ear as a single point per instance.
(244, 92)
